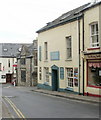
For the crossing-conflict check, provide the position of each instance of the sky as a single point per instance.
(20, 19)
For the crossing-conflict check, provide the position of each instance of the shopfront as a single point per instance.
(93, 74)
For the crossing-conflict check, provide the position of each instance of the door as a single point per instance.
(8, 78)
(54, 80)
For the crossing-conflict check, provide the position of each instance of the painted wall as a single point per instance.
(56, 39)
(6, 69)
(91, 15)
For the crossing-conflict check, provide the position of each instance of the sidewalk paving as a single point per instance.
(70, 96)
(5, 111)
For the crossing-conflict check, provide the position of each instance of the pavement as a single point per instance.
(5, 112)
(69, 96)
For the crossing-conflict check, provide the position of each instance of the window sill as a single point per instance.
(69, 59)
(45, 60)
(96, 48)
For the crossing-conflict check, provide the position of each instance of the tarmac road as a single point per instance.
(23, 103)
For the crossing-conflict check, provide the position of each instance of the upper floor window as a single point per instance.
(40, 54)
(23, 61)
(9, 63)
(46, 50)
(0, 67)
(69, 47)
(94, 35)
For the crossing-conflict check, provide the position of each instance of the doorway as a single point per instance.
(8, 78)
(55, 81)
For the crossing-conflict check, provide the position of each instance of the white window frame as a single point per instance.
(68, 48)
(69, 76)
(46, 74)
(96, 33)
(46, 50)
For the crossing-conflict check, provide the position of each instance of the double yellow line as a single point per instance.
(18, 112)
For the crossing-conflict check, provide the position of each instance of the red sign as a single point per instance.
(14, 65)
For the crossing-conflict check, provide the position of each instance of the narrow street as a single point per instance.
(23, 103)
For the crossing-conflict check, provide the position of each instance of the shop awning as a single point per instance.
(95, 65)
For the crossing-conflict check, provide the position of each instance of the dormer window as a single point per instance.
(94, 35)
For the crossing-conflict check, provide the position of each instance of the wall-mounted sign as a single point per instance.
(93, 56)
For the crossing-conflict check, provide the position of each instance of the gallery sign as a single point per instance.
(93, 56)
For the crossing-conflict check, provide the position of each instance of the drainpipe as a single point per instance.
(31, 71)
(79, 51)
(83, 50)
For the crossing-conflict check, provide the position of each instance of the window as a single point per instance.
(94, 35)
(94, 73)
(9, 63)
(23, 75)
(39, 53)
(61, 73)
(46, 70)
(3, 76)
(70, 77)
(40, 73)
(23, 61)
(0, 67)
(46, 50)
(69, 47)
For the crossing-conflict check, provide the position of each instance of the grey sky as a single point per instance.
(20, 19)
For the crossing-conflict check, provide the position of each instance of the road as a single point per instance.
(28, 104)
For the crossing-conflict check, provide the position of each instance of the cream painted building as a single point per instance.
(8, 61)
(64, 45)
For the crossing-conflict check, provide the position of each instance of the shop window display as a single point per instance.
(94, 74)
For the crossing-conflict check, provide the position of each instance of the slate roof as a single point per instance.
(29, 49)
(68, 16)
(10, 49)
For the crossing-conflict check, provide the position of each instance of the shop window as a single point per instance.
(69, 77)
(46, 71)
(94, 74)
(94, 35)
(76, 77)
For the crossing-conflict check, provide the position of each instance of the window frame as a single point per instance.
(68, 48)
(68, 77)
(96, 34)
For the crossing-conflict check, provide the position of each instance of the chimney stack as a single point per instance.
(93, 1)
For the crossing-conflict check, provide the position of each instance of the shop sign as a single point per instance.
(94, 56)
